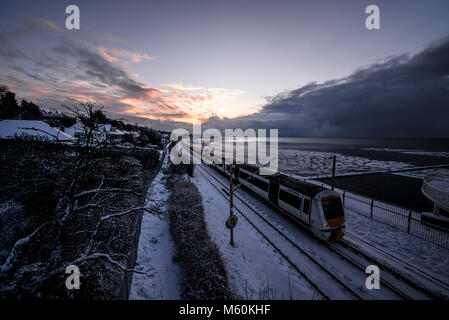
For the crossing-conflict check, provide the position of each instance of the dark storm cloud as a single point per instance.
(91, 66)
(402, 96)
(8, 51)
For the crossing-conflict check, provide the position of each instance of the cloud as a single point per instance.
(56, 66)
(98, 68)
(121, 56)
(180, 86)
(401, 96)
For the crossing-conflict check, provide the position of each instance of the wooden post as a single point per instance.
(231, 202)
(372, 206)
(344, 197)
(334, 162)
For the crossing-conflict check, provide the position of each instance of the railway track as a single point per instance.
(333, 289)
(434, 287)
(400, 285)
(393, 280)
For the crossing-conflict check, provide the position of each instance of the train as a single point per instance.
(318, 209)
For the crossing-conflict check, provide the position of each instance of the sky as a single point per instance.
(309, 68)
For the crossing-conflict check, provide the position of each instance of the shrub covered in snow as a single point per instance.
(73, 205)
(203, 272)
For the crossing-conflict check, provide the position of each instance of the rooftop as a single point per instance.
(12, 128)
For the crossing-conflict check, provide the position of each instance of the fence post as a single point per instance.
(334, 164)
(344, 197)
(409, 220)
(372, 205)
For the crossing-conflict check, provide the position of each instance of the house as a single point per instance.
(77, 130)
(19, 128)
(101, 132)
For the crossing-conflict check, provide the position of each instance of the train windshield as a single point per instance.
(332, 207)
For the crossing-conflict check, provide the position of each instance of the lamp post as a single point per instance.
(232, 220)
(231, 203)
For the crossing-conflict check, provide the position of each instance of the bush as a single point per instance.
(203, 272)
(42, 179)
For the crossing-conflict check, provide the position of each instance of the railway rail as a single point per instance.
(400, 285)
(314, 280)
(436, 288)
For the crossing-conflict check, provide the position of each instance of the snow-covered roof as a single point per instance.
(11, 128)
(436, 187)
(78, 125)
(104, 127)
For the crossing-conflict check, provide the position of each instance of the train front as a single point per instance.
(333, 214)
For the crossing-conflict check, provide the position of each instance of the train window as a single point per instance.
(243, 175)
(306, 208)
(259, 183)
(290, 199)
(332, 207)
(254, 180)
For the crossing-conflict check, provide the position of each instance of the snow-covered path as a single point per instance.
(156, 249)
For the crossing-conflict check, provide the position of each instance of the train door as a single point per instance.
(306, 209)
(273, 193)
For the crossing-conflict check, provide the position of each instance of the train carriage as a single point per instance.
(316, 207)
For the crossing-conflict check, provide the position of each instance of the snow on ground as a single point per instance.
(255, 270)
(11, 128)
(421, 253)
(156, 249)
(253, 248)
(414, 152)
(415, 173)
(311, 163)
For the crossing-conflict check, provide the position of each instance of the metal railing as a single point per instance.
(400, 218)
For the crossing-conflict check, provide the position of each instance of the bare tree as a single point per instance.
(3, 89)
(95, 190)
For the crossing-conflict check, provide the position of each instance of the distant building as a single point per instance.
(436, 189)
(19, 128)
(77, 130)
(110, 133)
(101, 132)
